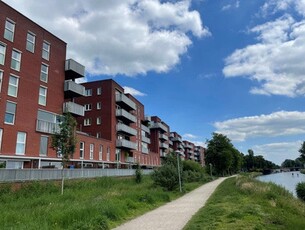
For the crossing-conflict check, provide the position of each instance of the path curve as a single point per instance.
(175, 214)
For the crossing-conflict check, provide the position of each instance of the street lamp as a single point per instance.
(179, 172)
(211, 170)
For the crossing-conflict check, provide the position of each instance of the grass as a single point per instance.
(100, 203)
(245, 203)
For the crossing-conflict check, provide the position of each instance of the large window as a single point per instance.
(100, 153)
(47, 122)
(44, 72)
(9, 30)
(2, 53)
(87, 121)
(10, 112)
(20, 144)
(88, 92)
(16, 60)
(30, 42)
(81, 150)
(42, 96)
(13, 86)
(91, 151)
(46, 50)
(43, 150)
(1, 79)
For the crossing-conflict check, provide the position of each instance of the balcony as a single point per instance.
(144, 150)
(187, 146)
(126, 116)
(72, 89)
(74, 69)
(163, 146)
(162, 154)
(145, 128)
(125, 144)
(176, 139)
(124, 101)
(163, 137)
(170, 142)
(158, 125)
(47, 127)
(126, 129)
(129, 160)
(146, 140)
(74, 108)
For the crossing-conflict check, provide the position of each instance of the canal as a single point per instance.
(288, 180)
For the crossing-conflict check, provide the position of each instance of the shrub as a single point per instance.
(138, 174)
(189, 165)
(300, 189)
(166, 176)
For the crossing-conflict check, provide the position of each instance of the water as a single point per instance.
(288, 180)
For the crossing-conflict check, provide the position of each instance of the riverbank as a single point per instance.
(246, 203)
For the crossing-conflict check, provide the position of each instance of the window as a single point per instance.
(9, 30)
(88, 92)
(100, 153)
(108, 154)
(81, 150)
(20, 144)
(88, 107)
(1, 78)
(99, 91)
(98, 120)
(47, 122)
(1, 133)
(91, 151)
(118, 155)
(13, 86)
(16, 60)
(98, 105)
(44, 72)
(30, 42)
(87, 121)
(10, 113)
(43, 149)
(42, 96)
(46, 50)
(2, 53)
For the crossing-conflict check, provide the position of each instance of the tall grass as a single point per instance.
(245, 203)
(99, 203)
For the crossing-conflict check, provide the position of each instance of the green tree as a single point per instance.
(64, 142)
(288, 163)
(302, 152)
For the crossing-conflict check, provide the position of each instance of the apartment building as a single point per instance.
(199, 155)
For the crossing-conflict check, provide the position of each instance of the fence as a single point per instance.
(11, 175)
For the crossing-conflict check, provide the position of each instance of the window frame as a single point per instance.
(1, 79)
(98, 120)
(108, 154)
(100, 152)
(41, 95)
(87, 122)
(30, 43)
(46, 148)
(10, 85)
(91, 152)
(88, 107)
(45, 54)
(81, 150)
(16, 60)
(99, 105)
(99, 91)
(9, 112)
(88, 92)
(4, 52)
(43, 73)
(23, 143)
(9, 30)
(1, 135)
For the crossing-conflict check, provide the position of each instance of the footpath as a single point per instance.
(174, 215)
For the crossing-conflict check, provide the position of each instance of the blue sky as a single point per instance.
(203, 66)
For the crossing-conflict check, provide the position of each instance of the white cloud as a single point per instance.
(278, 152)
(189, 136)
(120, 36)
(276, 61)
(133, 91)
(282, 123)
(231, 6)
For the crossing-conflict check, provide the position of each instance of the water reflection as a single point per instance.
(289, 180)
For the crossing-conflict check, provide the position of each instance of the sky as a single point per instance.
(228, 66)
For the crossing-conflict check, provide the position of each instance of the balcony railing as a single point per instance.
(163, 137)
(158, 125)
(125, 144)
(146, 140)
(126, 129)
(73, 108)
(126, 115)
(145, 128)
(144, 150)
(188, 146)
(74, 69)
(176, 139)
(163, 146)
(129, 160)
(47, 127)
(124, 100)
(72, 89)
(162, 154)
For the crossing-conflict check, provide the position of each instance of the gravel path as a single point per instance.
(174, 215)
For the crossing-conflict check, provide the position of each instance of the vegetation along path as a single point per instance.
(175, 214)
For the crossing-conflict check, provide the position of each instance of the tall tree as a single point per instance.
(302, 151)
(64, 142)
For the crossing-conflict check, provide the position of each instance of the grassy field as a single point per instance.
(86, 204)
(245, 203)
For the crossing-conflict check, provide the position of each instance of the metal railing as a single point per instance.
(11, 175)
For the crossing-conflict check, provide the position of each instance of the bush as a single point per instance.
(300, 189)
(166, 176)
(189, 165)
(138, 174)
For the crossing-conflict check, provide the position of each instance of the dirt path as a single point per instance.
(174, 215)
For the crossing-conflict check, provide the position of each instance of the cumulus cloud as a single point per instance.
(231, 6)
(278, 152)
(189, 136)
(282, 123)
(275, 62)
(133, 91)
(120, 36)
